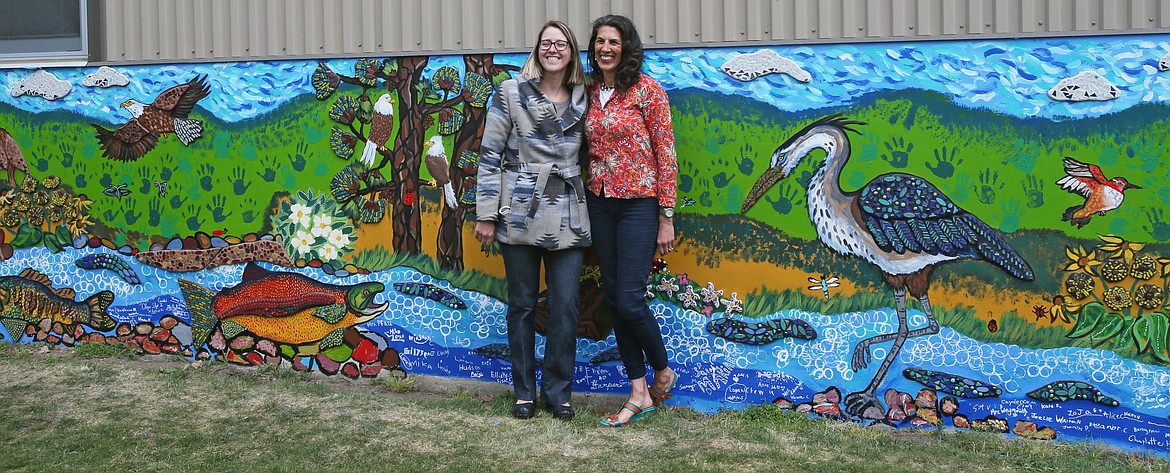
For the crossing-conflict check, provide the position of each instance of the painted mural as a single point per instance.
(933, 234)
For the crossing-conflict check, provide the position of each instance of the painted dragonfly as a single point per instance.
(824, 284)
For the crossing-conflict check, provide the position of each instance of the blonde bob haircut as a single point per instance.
(574, 73)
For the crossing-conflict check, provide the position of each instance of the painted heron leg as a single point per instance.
(865, 404)
(861, 354)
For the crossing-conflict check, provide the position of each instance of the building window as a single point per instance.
(43, 30)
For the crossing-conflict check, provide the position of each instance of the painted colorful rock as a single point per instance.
(110, 262)
(284, 307)
(29, 298)
(760, 333)
(432, 292)
(952, 384)
(1060, 391)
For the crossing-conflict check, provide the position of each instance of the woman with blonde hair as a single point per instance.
(531, 199)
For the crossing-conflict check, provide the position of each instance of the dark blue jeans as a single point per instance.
(625, 236)
(563, 278)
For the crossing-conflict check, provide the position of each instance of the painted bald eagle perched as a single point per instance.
(380, 127)
(167, 114)
(436, 161)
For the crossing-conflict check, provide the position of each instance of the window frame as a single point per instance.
(72, 57)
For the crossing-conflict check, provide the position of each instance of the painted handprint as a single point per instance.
(249, 215)
(155, 212)
(239, 186)
(962, 188)
(216, 208)
(194, 222)
(720, 180)
(298, 159)
(1033, 190)
(1025, 156)
(744, 161)
(268, 164)
(869, 147)
(945, 163)
(66, 156)
(899, 153)
(1012, 212)
(1159, 228)
(205, 177)
(988, 184)
(130, 215)
(787, 200)
(177, 201)
(147, 183)
(1148, 154)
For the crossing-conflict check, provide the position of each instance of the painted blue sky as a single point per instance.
(1009, 77)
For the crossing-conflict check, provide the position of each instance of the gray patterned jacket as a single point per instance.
(529, 179)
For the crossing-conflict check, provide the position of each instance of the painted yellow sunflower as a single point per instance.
(1119, 247)
(1080, 260)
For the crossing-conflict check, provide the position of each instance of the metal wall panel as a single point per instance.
(130, 31)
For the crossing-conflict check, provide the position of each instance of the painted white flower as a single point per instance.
(328, 253)
(321, 225)
(338, 238)
(303, 242)
(301, 214)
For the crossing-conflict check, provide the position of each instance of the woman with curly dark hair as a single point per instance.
(632, 173)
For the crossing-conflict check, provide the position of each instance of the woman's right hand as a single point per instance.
(485, 232)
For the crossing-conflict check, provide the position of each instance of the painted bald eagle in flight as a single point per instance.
(168, 114)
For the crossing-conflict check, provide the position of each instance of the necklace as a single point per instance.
(605, 88)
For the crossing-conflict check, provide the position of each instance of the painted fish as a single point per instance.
(952, 383)
(498, 351)
(432, 292)
(760, 333)
(110, 262)
(30, 297)
(284, 307)
(606, 355)
(1060, 391)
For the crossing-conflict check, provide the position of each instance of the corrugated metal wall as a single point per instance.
(209, 30)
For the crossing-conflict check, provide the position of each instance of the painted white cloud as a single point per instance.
(1164, 63)
(42, 84)
(746, 67)
(1087, 85)
(105, 76)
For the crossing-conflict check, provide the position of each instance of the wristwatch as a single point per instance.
(667, 212)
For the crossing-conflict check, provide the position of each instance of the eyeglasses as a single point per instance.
(560, 45)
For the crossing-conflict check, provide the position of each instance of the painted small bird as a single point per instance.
(438, 167)
(380, 127)
(1101, 194)
(167, 114)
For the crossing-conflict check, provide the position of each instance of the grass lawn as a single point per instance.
(98, 408)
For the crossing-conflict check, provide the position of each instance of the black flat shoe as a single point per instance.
(564, 413)
(524, 411)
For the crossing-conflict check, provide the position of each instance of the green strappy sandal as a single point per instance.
(639, 414)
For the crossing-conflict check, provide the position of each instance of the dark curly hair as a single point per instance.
(629, 70)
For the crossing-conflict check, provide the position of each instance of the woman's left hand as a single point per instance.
(665, 235)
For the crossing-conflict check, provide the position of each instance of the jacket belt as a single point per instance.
(571, 175)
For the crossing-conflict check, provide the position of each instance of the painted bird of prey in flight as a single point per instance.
(167, 114)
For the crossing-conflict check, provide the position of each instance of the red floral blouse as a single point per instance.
(631, 143)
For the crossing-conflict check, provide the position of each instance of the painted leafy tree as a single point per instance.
(390, 186)
(1124, 293)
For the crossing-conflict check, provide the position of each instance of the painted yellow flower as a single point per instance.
(1165, 262)
(1120, 247)
(1081, 261)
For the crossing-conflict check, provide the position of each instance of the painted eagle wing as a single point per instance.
(380, 128)
(178, 101)
(129, 142)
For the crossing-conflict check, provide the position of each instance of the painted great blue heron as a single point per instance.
(898, 222)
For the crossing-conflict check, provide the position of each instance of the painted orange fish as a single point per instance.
(284, 307)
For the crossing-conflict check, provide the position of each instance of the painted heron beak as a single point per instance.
(765, 182)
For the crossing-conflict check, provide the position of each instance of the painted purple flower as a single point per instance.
(707, 310)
